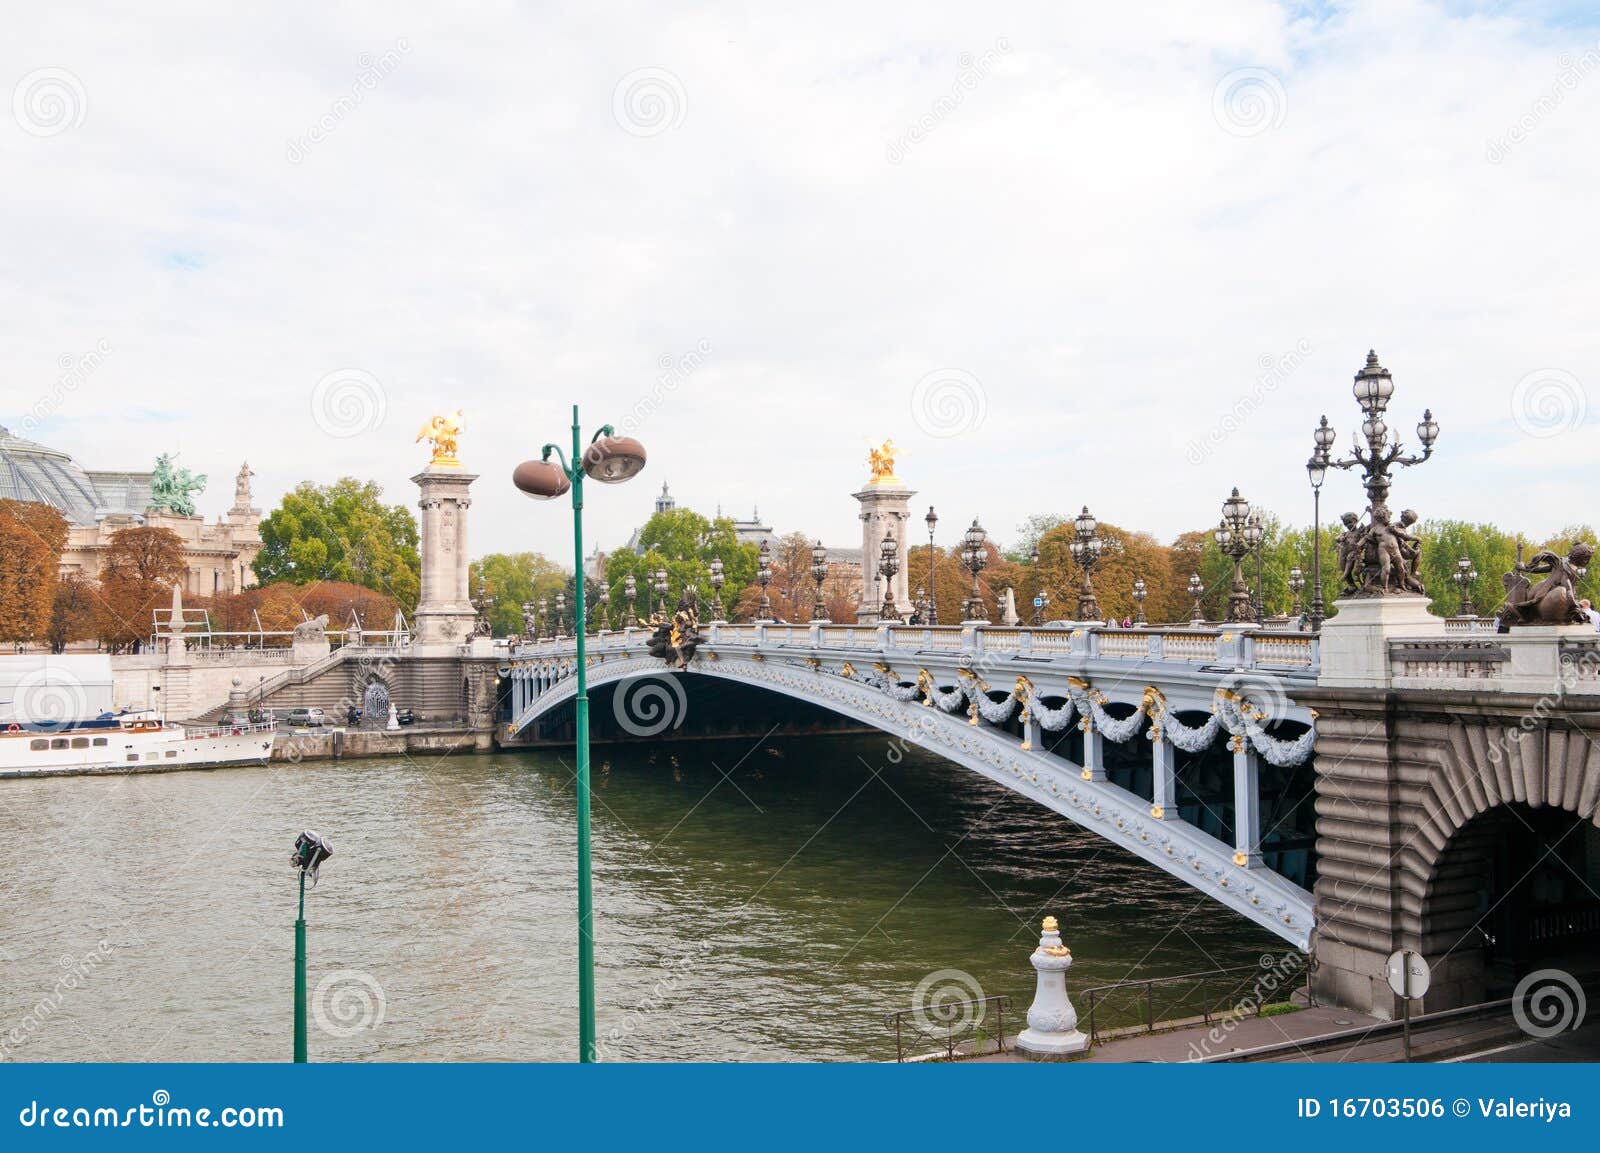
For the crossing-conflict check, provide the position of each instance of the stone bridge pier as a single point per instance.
(1456, 795)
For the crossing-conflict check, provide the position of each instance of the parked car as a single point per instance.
(404, 716)
(304, 718)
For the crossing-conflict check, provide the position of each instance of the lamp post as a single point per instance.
(609, 459)
(718, 577)
(1317, 471)
(561, 614)
(1254, 533)
(1231, 537)
(1297, 584)
(1086, 547)
(888, 566)
(1464, 576)
(764, 578)
(1197, 614)
(932, 521)
(1140, 591)
(605, 605)
(310, 851)
(630, 589)
(659, 587)
(819, 573)
(1373, 389)
(976, 559)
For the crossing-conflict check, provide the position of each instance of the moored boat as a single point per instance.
(131, 742)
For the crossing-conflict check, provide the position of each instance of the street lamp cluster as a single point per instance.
(1238, 535)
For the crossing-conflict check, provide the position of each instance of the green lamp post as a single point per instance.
(609, 459)
(310, 851)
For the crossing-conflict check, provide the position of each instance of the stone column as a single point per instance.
(445, 616)
(1164, 780)
(1246, 804)
(1052, 1021)
(884, 508)
(1094, 754)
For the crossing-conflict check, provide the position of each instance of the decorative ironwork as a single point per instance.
(1131, 1007)
(1140, 591)
(1464, 575)
(1297, 585)
(1197, 614)
(764, 578)
(819, 573)
(1086, 549)
(1317, 471)
(1380, 558)
(630, 589)
(976, 558)
(888, 566)
(931, 617)
(1237, 534)
(718, 578)
(951, 1026)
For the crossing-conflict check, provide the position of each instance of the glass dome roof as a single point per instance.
(30, 471)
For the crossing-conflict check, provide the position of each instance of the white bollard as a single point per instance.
(1052, 1021)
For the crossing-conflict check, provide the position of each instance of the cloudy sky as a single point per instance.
(1121, 255)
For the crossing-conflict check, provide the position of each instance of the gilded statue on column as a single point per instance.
(441, 432)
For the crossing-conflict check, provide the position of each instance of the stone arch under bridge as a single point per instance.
(1082, 792)
(1435, 822)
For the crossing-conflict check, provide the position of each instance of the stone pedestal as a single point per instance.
(445, 616)
(884, 508)
(1355, 640)
(1052, 1021)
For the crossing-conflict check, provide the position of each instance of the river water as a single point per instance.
(754, 902)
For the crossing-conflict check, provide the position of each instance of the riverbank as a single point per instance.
(342, 744)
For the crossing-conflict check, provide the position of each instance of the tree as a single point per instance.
(514, 579)
(140, 568)
(72, 611)
(683, 543)
(1125, 556)
(342, 532)
(32, 536)
(1444, 542)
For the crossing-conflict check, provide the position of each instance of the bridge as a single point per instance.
(1455, 763)
(1184, 746)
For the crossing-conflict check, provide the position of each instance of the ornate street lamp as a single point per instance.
(605, 605)
(819, 573)
(764, 578)
(1373, 389)
(931, 617)
(545, 629)
(609, 459)
(976, 559)
(561, 614)
(1140, 591)
(1464, 576)
(630, 589)
(530, 621)
(659, 587)
(1253, 534)
(1232, 538)
(888, 566)
(717, 579)
(1297, 585)
(1317, 471)
(1086, 547)
(1197, 614)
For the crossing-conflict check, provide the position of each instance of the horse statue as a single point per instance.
(174, 488)
(1554, 600)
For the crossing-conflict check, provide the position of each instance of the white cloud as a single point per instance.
(1077, 232)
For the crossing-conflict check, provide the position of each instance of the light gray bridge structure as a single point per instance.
(1410, 741)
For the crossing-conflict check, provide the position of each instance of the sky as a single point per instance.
(1063, 254)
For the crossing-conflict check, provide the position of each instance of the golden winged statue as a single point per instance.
(441, 432)
(880, 459)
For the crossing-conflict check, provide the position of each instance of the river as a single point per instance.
(754, 901)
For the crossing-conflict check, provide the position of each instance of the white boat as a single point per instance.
(132, 742)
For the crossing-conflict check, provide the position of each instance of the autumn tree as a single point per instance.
(342, 532)
(73, 611)
(32, 536)
(141, 566)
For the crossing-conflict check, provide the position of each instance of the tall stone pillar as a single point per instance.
(444, 611)
(884, 508)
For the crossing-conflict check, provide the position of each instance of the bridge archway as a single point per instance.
(1081, 792)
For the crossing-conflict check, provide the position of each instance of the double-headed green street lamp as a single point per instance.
(609, 459)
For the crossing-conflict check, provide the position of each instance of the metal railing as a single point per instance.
(1129, 1007)
(950, 1025)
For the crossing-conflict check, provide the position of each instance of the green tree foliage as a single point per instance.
(1492, 552)
(342, 532)
(514, 579)
(683, 543)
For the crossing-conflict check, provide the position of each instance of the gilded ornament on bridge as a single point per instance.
(677, 637)
(441, 432)
(880, 459)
